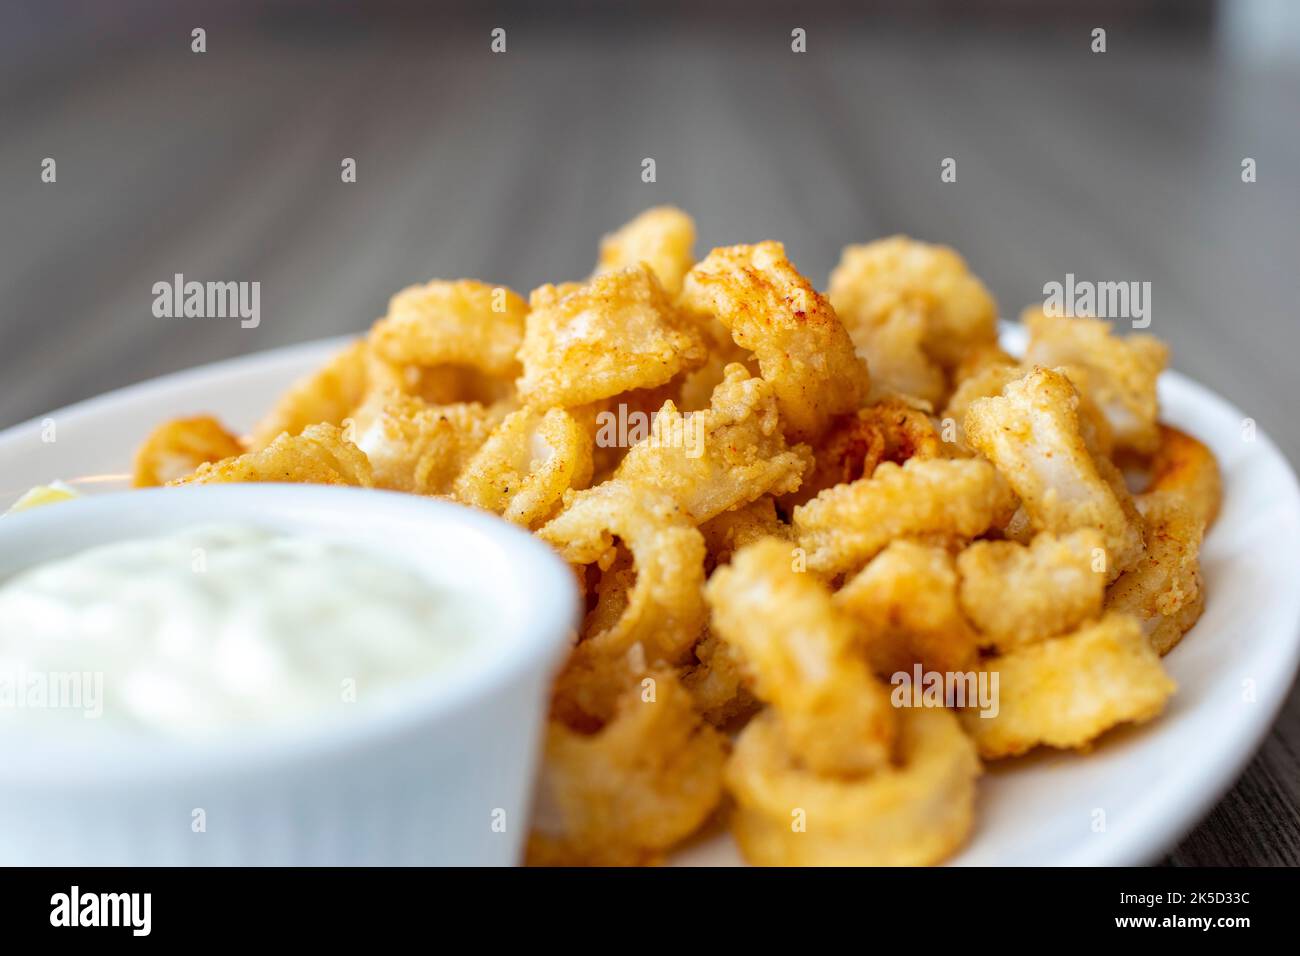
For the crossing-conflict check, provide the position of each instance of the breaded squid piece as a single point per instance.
(1165, 590)
(1017, 595)
(717, 682)
(894, 350)
(774, 312)
(799, 650)
(846, 526)
(618, 332)
(877, 282)
(320, 455)
(416, 447)
(526, 465)
(438, 384)
(980, 359)
(905, 605)
(730, 531)
(1188, 469)
(714, 460)
(176, 448)
(887, 430)
(915, 812)
(327, 396)
(663, 238)
(665, 610)
(986, 382)
(1031, 432)
(463, 322)
(1121, 373)
(1067, 691)
(628, 791)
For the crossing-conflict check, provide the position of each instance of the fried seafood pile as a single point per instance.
(778, 502)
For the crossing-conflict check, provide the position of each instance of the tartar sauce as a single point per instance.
(213, 627)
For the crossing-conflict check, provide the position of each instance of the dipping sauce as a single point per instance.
(222, 626)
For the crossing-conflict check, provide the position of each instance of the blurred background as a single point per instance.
(225, 165)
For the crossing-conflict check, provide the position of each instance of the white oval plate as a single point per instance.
(1125, 803)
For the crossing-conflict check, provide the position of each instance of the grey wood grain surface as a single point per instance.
(226, 166)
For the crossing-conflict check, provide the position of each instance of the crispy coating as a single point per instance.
(618, 332)
(320, 455)
(417, 447)
(894, 350)
(847, 525)
(1121, 373)
(905, 604)
(717, 682)
(327, 396)
(1067, 691)
(627, 792)
(176, 448)
(1016, 594)
(526, 465)
(1031, 432)
(663, 238)
(915, 812)
(799, 341)
(986, 382)
(462, 322)
(730, 531)
(979, 359)
(1165, 590)
(1186, 468)
(665, 610)
(799, 649)
(876, 283)
(722, 458)
(771, 499)
(887, 430)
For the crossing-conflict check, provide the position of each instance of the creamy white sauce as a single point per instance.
(213, 627)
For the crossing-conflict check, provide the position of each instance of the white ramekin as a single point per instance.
(440, 774)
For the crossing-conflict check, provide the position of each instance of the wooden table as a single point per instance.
(226, 165)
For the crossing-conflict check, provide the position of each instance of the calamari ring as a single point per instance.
(665, 610)
(661, 237)
(1117, 374)
(618, 332)
(1187, 468)
(631, 789)
(416, 447)
(905, 603)
(1017, 594)
(526, 465)
(847, 525)
(913, 813)
(1165, 590)
(327, 396)
(1032, 434)
(175, 448)
(888, 430)
(1067, 691)
(720, 458)
(463, 322)
(799, 341)
(800, 652)
(320, 455)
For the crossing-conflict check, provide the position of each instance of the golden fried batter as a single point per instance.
(176, 448)
(774, 312)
